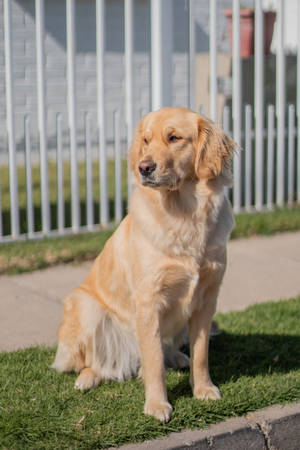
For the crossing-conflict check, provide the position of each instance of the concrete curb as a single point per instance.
(273, 428)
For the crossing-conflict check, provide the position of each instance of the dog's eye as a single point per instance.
(174, 138)
(146, 141)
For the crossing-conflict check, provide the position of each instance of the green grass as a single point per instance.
(27, 256)
(247, 224)
(255, 363)
(267, 223)
(36, 191)
(31, 255)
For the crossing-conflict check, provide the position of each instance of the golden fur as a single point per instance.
(160, 272)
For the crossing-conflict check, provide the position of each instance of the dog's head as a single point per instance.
(173, 145)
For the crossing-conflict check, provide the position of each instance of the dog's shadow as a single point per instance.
(232, 356)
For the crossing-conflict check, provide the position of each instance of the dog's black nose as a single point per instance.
(147, 167)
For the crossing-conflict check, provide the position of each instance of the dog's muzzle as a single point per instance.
(147, 167)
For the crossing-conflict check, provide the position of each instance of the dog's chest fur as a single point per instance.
(180, 224)
(186, 231)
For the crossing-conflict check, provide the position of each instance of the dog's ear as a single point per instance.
(214, 151)
(136, 147)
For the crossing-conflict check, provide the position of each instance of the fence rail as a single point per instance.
(266, 173)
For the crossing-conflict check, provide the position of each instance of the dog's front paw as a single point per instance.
(161, 410)
(87, 379)
(207, 392)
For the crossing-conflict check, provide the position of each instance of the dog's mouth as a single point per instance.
(169, 183)
(150, 183)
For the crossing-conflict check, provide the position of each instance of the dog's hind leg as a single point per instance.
(72, 358)
(89, 376)
(69, 358)
(75, 350)
(174, 358)
(93, 342)
(70, 355)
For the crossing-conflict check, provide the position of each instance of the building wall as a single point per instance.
(24, 58)
(24, 62)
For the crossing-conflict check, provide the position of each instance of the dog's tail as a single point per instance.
(91, 336)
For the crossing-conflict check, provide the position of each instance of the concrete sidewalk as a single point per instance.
(259, 269)
(273, 428)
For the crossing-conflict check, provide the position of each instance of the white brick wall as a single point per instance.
(24, 59)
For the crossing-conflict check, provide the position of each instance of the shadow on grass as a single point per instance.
(233, 356)
(37, 213)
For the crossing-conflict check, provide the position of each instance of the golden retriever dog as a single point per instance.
(158, 276)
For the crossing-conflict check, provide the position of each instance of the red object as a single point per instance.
(247, 30)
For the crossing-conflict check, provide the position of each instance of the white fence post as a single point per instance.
(161, 53)
(281, 172)
(280, 104)
(129, 49)
(236, 105)
(28, 169)
(248, 157)
(270, 157)
(192, 57)
(129, 64)
(118, 168)
(9, 81)
(60, 175)
(41, 94)
(259, 103)
(291, 154)
(89, 173)
(71, 51)
(213, 59)
(100, 33)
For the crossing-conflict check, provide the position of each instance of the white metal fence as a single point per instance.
(266, 174)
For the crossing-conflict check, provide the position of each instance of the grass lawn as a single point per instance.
(5, 198)
(255, 363)
(31, 255)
